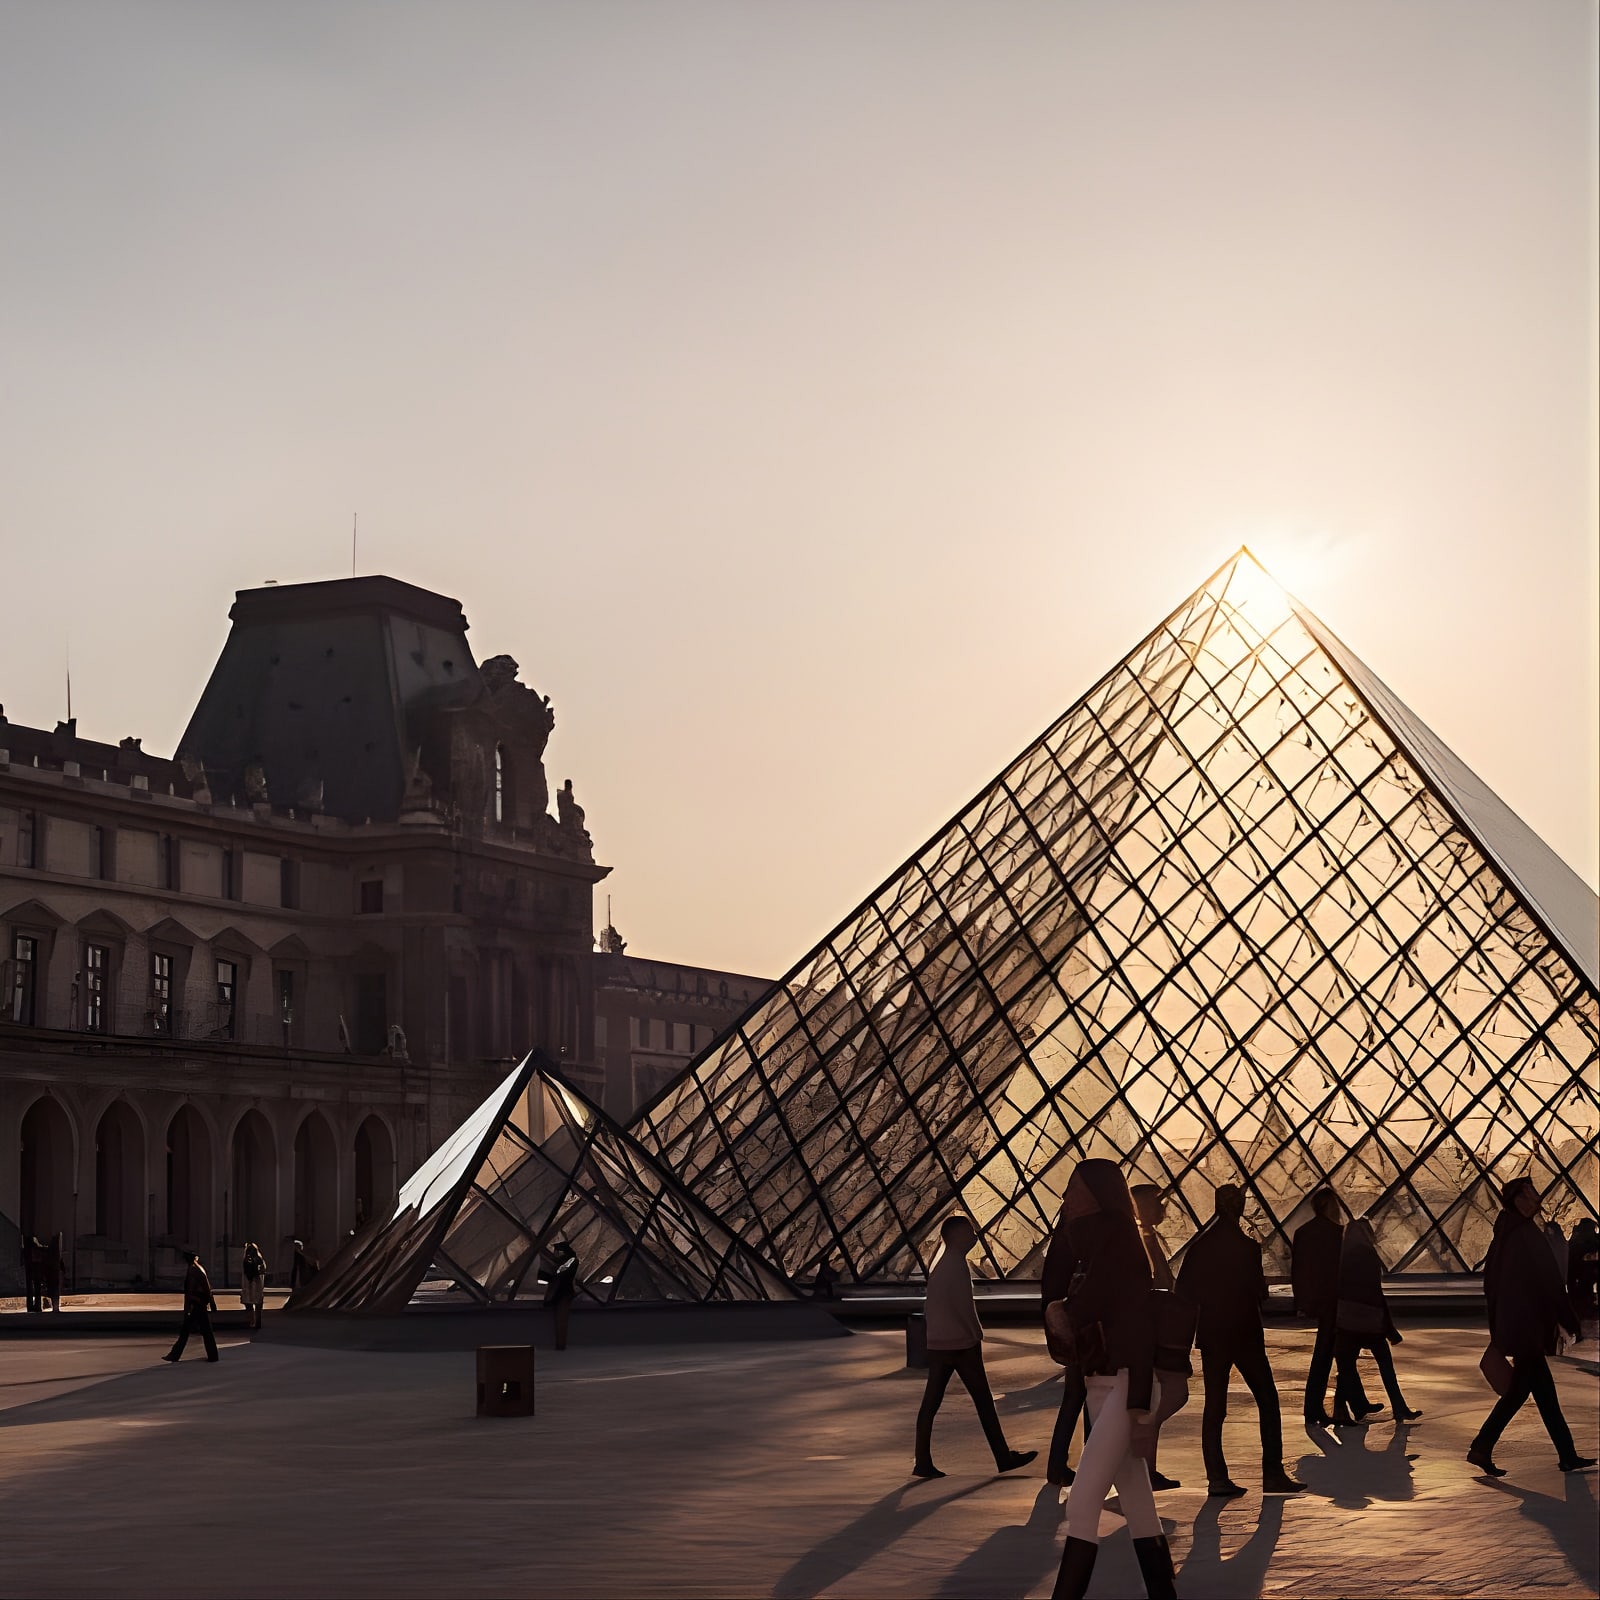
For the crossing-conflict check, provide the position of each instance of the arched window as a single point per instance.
(499, 783)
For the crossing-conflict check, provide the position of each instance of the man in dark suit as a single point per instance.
(198, 1304)
(1222, 1278)
(562, 1287)
(1314, 1272)
(1528, 1308)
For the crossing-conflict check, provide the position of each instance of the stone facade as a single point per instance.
(246, 990)
(652, 1018)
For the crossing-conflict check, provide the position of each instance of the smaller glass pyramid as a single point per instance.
(489, 1202)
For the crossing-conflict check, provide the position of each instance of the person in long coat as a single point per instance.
(1528, 1306)
(1362, 1301)
(1114, 1327)
(1223, 1279)
(1055, 1283)
(1174, 1326)
(253, 1283)
(1314, 1273)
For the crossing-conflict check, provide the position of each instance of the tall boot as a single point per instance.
(1077, 1562)
(1155, 1563)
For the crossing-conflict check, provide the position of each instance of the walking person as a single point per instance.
(1364, 1323)
(33, 1273)
(1528, 1306)
(1113, 1328)
(198, 1304)
(1056, 1283)
(1222, 1278)
(253, 1284)
(303, 1268)
(1314, 1274)
(55, 1271)
(1174, 1326)
(955, 1346)
(562, 1287)
(1583, 1269)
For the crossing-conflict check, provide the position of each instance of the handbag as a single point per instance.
(1497, 1371)
(1356, 1316)
(1073, 1343)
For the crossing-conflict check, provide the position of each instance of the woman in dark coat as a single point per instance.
(1583, 1267)
(1528, 1304)
(1364, 1323)
(1114, 1330)
(563, 1287)
(1055, 1283)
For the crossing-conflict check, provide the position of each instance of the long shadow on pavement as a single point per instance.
(884, 1523)
(1569, 1520)
(1013, 1559)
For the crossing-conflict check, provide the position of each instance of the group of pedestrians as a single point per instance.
(1123, 1329)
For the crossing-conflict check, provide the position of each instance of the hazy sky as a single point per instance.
(814, 398)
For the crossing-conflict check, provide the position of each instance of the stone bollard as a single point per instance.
(916, 1340)
(505, 1380)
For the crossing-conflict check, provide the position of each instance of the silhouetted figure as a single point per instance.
(561, 1288)
(1365, 1323)
(253, 1283)
(1056, 1283)
(955, 1345)
(1314, 1273)
(1528, 1304)
(33, 1273)
(198, 1304)
(303, 1268)
(1174, 1326)
(823, 1286)
(1222, 1278)
(1583, 1268)
(1557, 1241)
(1113, 1328)
(55, 1271)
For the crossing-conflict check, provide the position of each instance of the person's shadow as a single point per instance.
(1351, 1474)
(1206, 1570)
(1569, 1521)
(882, 1524)
(1013, 1559)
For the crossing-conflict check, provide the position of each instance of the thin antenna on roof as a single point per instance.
(69, 678)
(355, 522)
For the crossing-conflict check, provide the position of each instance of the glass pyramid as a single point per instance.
(485, 1207)
(1236, 916)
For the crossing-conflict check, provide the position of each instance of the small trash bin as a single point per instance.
(916, 1340)
(505, 1380)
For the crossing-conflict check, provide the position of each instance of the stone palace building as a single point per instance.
(246, 990)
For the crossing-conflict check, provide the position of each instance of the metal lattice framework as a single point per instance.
(1237, 916)
(486, 1206)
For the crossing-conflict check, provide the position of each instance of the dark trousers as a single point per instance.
(196, 1319)
(1530, 1376)
(1074, 1398)
(968, 1365)
(1322, 1355)
(563, 1313)
(1217, 1362)
(1348, 1394)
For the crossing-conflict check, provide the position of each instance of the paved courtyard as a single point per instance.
(728, 1469)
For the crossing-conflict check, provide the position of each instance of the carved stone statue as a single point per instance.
(568, 812)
